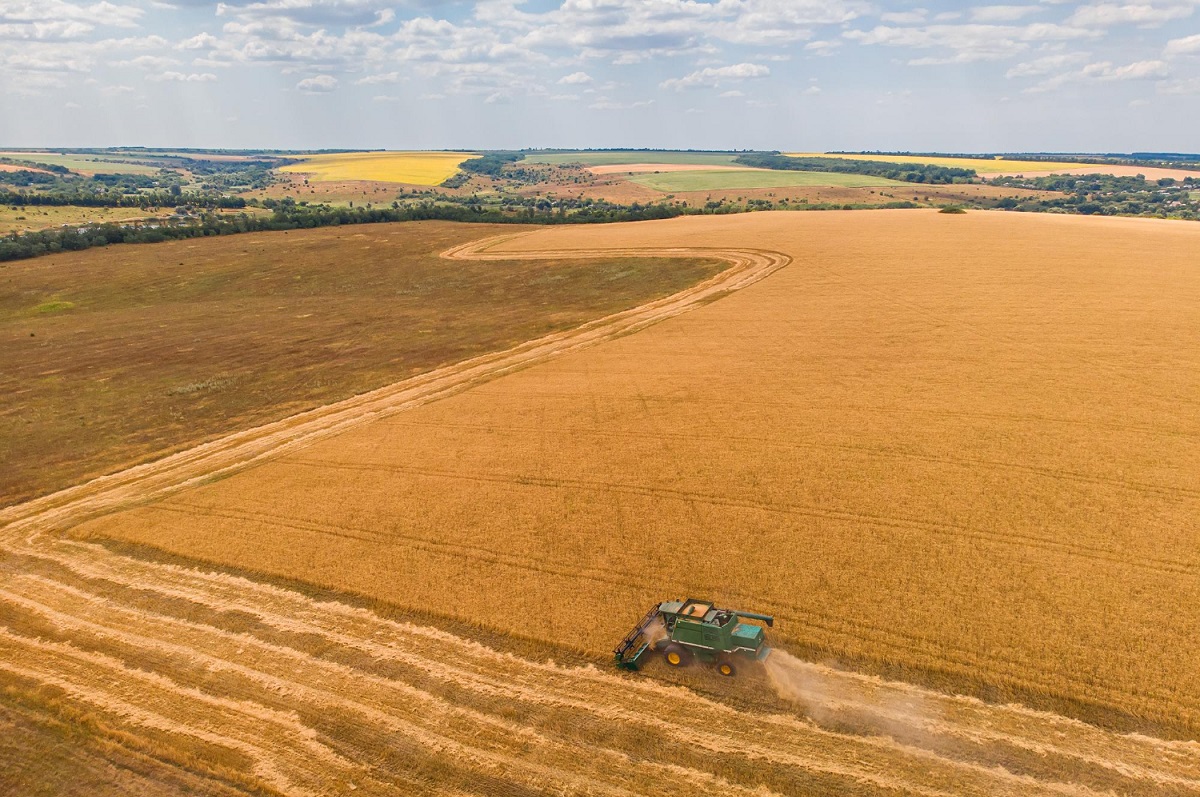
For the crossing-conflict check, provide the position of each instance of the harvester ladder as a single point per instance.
(629, 651)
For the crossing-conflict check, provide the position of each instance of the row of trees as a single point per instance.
(906, 172)
(89, 197)
(292, 217)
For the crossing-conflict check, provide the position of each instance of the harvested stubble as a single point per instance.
(962, 448)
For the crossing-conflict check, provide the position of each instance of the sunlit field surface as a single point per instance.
(417, 168)
(756, 178)
(980, 165)
(955, 447)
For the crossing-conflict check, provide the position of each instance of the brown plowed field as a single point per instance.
(959, 449)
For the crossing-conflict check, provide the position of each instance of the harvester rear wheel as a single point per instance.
(726, 668)
(677, 656)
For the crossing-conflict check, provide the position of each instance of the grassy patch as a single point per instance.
(31, 218)
(88, 164)
(754, 178)
(170, 344)
(57, 306)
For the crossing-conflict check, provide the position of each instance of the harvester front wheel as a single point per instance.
(677, 655)
(726, 668)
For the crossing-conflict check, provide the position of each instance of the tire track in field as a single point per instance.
(999, 665)
(238, 450)
(948, 530)
(487, 671)
(325, 698)
(869, 451)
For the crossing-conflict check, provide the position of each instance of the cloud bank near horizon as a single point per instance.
(1052, 75)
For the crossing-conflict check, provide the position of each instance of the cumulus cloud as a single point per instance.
(969, 42)
(1143, 14)
(148, 62)
(1045, 65)
(712, 77)
(1106, 71)
(200, 41)
(318, 85)
(1184, 46)
(822, 47)
(575, 79)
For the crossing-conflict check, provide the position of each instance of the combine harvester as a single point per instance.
(689, 630)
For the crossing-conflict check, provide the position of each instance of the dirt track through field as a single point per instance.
(299, 695)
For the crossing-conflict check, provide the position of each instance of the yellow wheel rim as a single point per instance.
(726, 669)
(673, 657)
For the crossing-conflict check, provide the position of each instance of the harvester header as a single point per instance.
(696, 630)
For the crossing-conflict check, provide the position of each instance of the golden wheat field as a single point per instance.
(980, 165)
(965, 445)
(954, 455)
(415, 168)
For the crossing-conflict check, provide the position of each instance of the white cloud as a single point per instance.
(714, 76)
(1143, 14)
(914, 17)
(967, 43)
(1003, 13)
(201, 41)
(148, 62)
(1046, 65)
(205, 77)
(575, 79)
(1184, 46)
(1139, 70)
(373, 80)
(822, 47)
(1106, 71)
(318, 85)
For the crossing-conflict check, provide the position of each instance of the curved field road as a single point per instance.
(269, 690)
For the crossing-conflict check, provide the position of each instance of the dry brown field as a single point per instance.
(954, 451)
(111, 356)
(31, 218)
(360, 192)
(12, 167)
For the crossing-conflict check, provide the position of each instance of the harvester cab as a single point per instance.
(695, 630)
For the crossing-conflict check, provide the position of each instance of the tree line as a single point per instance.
(928, 174)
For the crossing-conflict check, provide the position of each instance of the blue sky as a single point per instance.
(1042, 75)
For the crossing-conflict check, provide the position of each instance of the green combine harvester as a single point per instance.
(694, 630)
